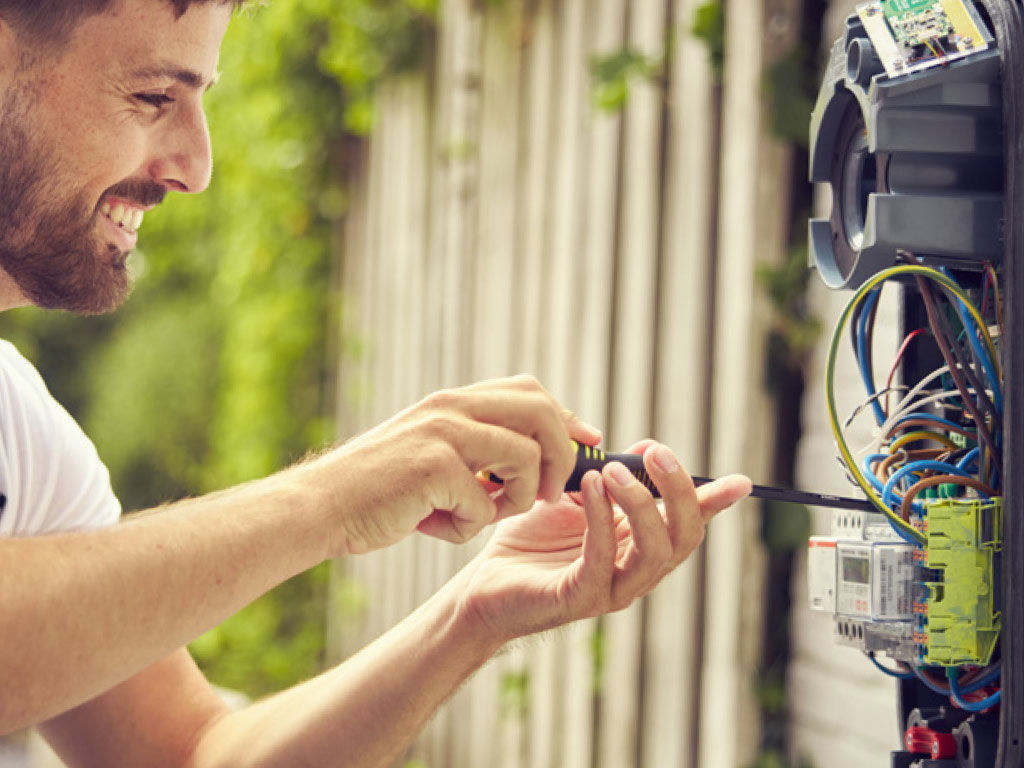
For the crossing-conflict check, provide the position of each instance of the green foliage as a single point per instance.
(598, 645)
(613, 73)
(215, 371)
(709, 27)
(514, 694)
(785, 527)
(790, 89)
(794, 329)
(773, 759)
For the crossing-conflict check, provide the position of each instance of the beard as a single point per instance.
(48, 243)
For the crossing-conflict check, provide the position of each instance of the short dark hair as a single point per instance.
(52, 21)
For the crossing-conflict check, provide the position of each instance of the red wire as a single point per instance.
(896, 363)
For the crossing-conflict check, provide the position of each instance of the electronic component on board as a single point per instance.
(911, 35)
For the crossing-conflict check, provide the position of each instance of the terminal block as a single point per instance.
(961, 619)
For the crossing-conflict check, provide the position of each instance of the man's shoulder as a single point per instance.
(16, 370)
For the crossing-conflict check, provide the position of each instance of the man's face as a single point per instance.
(92, 135)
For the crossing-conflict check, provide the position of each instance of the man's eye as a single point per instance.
(154, 99)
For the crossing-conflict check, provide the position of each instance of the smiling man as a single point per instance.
(100, 116)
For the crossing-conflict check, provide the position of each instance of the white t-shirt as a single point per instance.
(49, 470)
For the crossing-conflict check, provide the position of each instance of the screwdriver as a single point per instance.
(589, 457)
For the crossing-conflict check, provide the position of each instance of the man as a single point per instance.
(100, 116)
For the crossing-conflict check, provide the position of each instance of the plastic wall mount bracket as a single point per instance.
(915, 163)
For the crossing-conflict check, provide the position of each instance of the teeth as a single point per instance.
(123, 216)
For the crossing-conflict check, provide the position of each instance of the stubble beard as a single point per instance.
(50, 248)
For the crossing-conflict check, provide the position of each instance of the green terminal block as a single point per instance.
(964, 542)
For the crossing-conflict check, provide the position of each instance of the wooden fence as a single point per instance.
(502, 224)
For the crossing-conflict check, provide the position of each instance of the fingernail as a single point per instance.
(665, 460)
(620, 474)
(597, 484)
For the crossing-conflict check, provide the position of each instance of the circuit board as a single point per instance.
(911, 35)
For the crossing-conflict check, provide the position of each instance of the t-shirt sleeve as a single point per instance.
(50, 471)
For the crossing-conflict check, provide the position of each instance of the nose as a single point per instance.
(182, 158)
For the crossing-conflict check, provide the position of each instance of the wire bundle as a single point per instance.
(941, 437)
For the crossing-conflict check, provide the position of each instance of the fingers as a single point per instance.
(520, 405)
(461, 515)
(648, 556)
(654, 544)
(599, 540)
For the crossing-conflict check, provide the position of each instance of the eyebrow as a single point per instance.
(184, 75)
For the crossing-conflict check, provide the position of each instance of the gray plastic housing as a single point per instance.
(915, 163)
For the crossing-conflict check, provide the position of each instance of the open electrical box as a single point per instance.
(917, 132)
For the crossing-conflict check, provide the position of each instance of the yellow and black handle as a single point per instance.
(589, 457)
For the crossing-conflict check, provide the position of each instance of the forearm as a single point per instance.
(364, 713)
(81, 612)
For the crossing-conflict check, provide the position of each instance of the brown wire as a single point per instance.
(931, 482)
(929, 423)
(954, 369)
(915, 454)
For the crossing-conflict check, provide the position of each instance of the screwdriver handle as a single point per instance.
(589, 457)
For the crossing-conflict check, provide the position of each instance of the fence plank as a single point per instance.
(632, 416)
(604, 34)
(753, 205)
(671, 681)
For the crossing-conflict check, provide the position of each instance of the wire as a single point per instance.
(914, 437)
(890, 672)
(899, 358)
(952, 674)
(865, 321)
(924, 274)
(939, 330)
(930, 482)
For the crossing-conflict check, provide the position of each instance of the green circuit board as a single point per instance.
(915, 34)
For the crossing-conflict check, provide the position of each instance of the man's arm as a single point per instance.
(561, 562)
(83, 612)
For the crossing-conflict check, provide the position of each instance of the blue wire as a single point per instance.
(971, 706)
(930, 417)
(989, 677)
(970, 458)
(870, 473)
(862, 352)
(982, 354)
(873, 479)
(886, 670)
(917, 466)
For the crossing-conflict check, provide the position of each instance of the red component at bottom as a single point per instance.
(943, 746)
(922, 740)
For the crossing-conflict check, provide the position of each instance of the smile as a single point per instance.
(124, 216)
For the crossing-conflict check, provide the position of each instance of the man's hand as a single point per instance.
(578, 557)
(419, 469)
